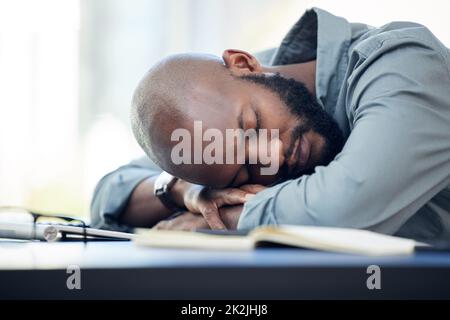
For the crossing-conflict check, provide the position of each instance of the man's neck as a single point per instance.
(303, 72)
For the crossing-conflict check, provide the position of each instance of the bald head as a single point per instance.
(161, 94)
(172, 95)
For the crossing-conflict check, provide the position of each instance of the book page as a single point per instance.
(335, 239)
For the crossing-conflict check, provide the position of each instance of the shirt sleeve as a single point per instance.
(113, 192)
(396, 158)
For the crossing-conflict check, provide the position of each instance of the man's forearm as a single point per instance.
(144, 209)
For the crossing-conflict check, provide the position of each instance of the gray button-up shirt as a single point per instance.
(389, 90)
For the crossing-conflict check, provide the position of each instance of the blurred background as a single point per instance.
(68, 69)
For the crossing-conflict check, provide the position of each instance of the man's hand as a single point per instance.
(207, 201)
(230, 215)
(186, 221)
(189, 221)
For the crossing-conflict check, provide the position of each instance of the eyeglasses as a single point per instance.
(20, 223)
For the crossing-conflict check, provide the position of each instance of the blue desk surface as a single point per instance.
(41, 255)
(169, 273)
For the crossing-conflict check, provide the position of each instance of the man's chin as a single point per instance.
(292, 174)
(284, 174)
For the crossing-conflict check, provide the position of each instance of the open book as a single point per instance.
(317, 238)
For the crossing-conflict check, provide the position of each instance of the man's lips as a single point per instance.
(300, 155)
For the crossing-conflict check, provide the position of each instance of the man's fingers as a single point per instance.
(253, 188)
(212, 199)
(162, 225)
(212, 217)
(231, 196)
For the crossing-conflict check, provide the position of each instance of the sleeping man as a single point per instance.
(342, 125)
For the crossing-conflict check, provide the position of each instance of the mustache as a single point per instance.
(296, 133)
(285, 172)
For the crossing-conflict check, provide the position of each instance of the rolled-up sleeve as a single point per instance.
(113, 192)
(395, 160)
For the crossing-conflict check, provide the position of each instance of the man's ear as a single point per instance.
(240, 62)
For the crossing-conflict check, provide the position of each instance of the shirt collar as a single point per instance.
(322, 36)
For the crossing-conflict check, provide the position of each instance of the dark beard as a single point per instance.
(303, 105)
